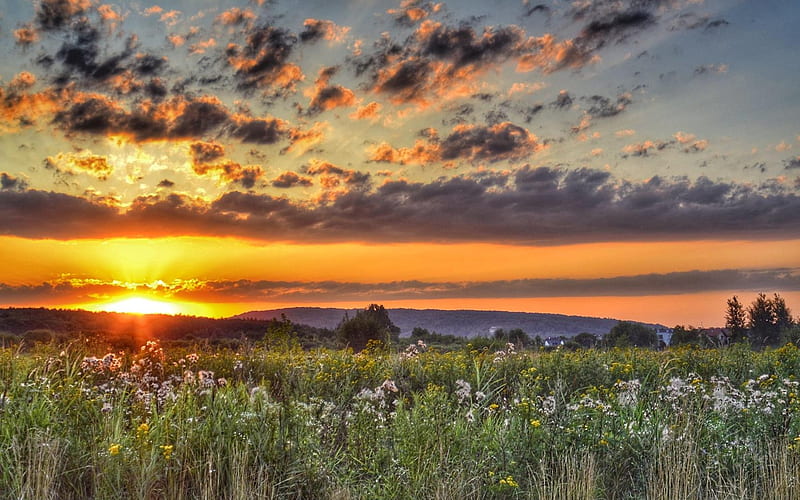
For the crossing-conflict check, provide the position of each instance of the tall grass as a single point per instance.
(78, 422)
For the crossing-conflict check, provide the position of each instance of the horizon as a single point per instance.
(608, 159)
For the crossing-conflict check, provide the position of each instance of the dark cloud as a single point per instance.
(55, 14)
(260, 130)
(474, 143)
(529, 205)
(320, 29)
(326, 96)
(615, 28)
(263, 59)
(563, 100)
(166, 183)
(603, 107)
(538, 8)
(8, 181)
(290, 179)
(206, 152)
(792, 163)
(503, 141)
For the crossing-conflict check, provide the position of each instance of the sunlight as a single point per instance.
(140, 305)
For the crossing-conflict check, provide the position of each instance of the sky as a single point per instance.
(634, 159)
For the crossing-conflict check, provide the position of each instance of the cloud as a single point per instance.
(206, 152)
(332, 175)
(26, 35)
(413, 11)
(603, 107)
(367, 112)
(563, 100)
(625, 133)
(325, 97)
(8, 181)
(474, 143)
(235, 17)
(792, 163)
(55, 14)
(527, 205)
(73, 289)
(263, 60)
(645, 148)
(290, 179)
(708, 69)
(320, 29)
(71, 163)
(690, 142)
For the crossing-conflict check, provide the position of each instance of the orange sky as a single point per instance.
(186, 271)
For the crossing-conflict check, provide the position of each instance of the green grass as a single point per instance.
(289, 423)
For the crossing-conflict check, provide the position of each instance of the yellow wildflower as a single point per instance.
(535, 423)
(114, 449)
(167, 450)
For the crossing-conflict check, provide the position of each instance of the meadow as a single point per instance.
(263, 421)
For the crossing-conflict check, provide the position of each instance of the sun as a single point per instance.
(140, 305)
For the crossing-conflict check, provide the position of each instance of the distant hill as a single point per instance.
(463, 323)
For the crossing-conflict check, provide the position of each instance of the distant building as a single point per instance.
(664, 335)
(717, 336)
(553, 341)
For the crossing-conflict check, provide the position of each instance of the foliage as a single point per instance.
(629, 334)
(256, 422)
(736, 319)
(372, 323)
(768, 319)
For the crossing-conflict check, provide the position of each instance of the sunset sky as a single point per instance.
(635, 159)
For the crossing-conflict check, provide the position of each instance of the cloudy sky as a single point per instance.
(636, 159)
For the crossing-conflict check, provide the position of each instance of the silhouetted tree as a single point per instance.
(585, 339)
(762, 322)
(516, 336)
(736, 320)
(372, 323)
(629, 334)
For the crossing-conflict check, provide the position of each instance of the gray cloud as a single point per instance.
(527, 206)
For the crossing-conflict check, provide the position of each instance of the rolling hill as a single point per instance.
(464, 323)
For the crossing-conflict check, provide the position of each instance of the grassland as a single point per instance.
(77, 421)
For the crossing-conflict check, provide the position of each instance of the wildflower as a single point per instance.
(535, 423)
(167, 450)
(106, 407)
(493, 407)
(389, 385)
(464, 390)
(603, 442)
(114, 449)
(509, 481)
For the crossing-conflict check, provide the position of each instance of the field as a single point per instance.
(279, 422)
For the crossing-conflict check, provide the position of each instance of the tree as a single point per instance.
(372, 323)
(585, 339)
(629, 334)
(762, 323)
(782, 315)
(516, 336)
(736, 319)
(682, 335)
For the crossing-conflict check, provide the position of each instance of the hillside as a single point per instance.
(464, 323)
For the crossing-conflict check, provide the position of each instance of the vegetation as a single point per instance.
(270, 420)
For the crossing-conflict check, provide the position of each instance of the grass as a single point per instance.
(78, 422)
